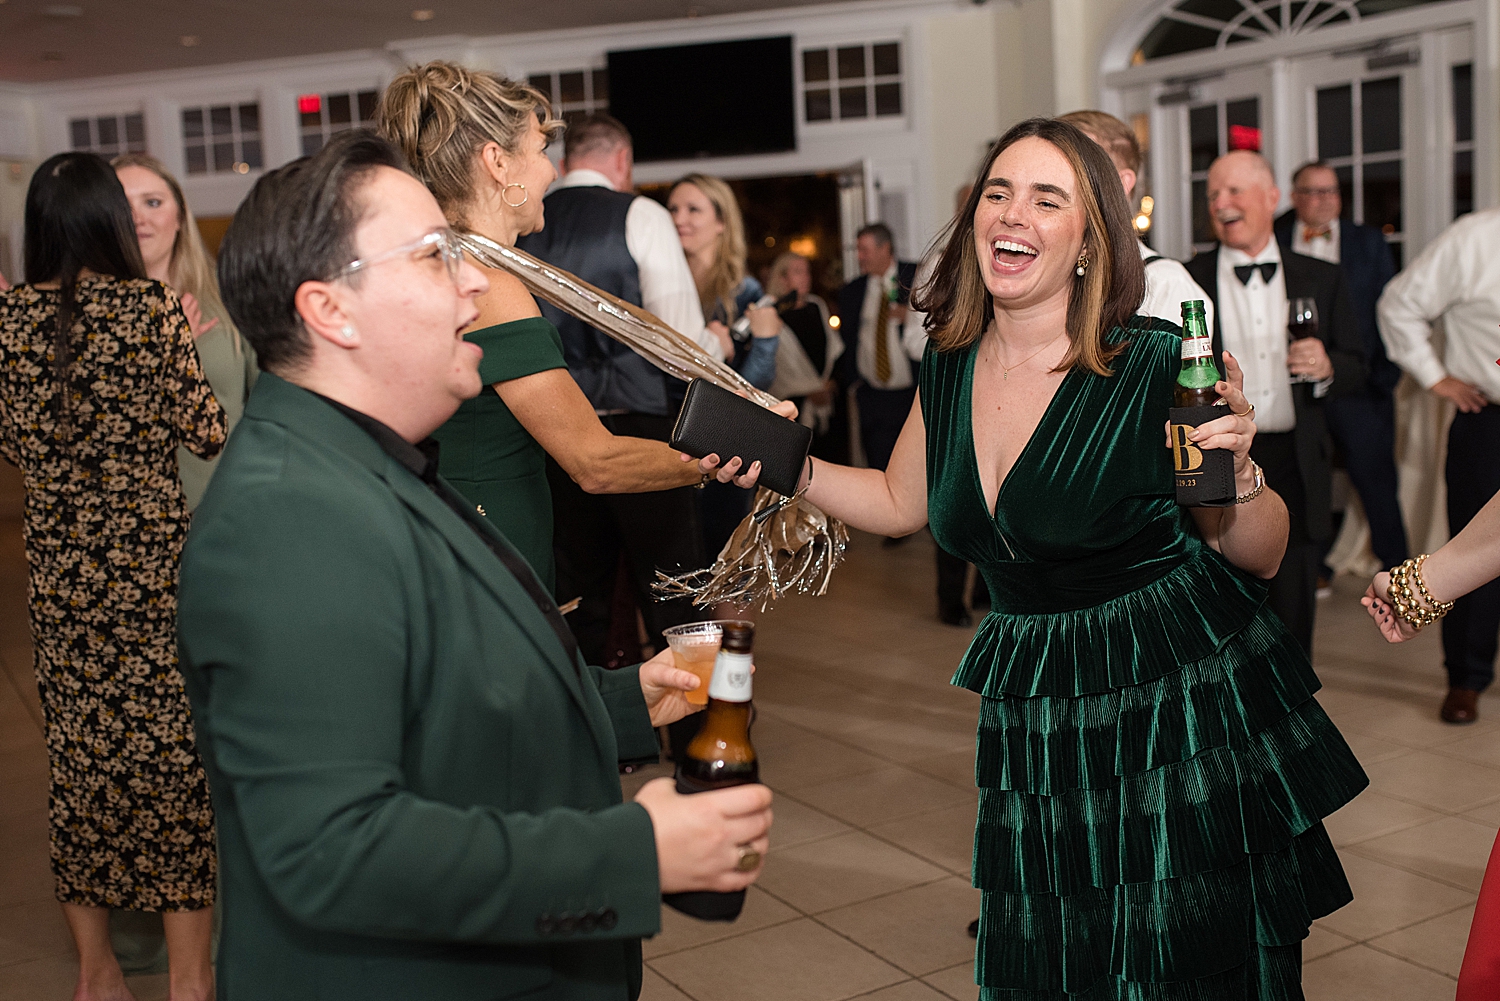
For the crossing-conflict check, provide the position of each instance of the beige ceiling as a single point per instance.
(40, 43)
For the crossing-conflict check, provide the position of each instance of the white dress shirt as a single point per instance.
(1253, 318)
(667, 288)
(1457, 278)
(1324, 248)
(1168, 286)
(904, 339)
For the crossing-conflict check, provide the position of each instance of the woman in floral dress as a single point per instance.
(99, 384)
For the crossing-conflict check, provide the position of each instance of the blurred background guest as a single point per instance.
(172, 250)
(1168, 284)
(1457, 278)
(1363, 423)
(875, 309)
(479, 141)
(1252, 282)
(712, 232)
(94, 430)
(806, 315)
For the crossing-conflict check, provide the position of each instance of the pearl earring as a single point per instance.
(348, 332)
(1083, 265)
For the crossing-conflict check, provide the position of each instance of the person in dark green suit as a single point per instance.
(415, 775)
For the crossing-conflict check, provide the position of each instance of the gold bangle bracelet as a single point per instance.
(1409, 596)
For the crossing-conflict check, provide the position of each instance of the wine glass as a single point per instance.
(1302, 322)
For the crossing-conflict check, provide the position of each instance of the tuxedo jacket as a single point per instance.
(851, 306)
(1368, 266)
(416, 787)
(1324, 282)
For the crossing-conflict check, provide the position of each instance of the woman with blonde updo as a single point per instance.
(174, 255)
(479, 141)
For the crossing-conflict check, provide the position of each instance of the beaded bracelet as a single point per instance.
(1410, 598)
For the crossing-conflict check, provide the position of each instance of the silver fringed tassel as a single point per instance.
(786, 545)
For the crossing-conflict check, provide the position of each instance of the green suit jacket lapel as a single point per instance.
(304, 414)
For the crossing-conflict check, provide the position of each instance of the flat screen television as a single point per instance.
(714, 99)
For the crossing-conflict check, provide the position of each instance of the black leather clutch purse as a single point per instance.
(716, 421)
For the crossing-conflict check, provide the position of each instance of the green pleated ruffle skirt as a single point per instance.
(1151, 795)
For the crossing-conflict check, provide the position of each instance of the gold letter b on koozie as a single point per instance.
(1186, 456)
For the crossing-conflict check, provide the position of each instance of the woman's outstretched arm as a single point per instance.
(892, 502)
(1470, 558)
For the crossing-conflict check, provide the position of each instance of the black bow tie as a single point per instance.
(1244, 271)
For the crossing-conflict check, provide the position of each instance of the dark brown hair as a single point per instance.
(958, 305)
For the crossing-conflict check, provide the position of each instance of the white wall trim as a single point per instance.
(1409, 22)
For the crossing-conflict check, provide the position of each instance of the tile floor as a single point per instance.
(866, 892)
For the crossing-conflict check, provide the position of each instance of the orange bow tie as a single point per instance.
(1309, 234)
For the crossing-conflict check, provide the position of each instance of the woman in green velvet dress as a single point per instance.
(1153, 767)
(479, 141)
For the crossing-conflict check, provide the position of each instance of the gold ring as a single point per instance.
(749, 859)
(1247, 413)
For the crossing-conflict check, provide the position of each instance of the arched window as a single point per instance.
(1194, 25)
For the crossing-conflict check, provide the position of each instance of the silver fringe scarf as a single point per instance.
(786, 545)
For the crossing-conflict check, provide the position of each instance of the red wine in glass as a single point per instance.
(1301, 322)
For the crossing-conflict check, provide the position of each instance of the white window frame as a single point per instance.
(237, 136)
(94, 145)
(833, 84)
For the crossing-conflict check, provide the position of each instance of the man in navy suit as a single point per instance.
(1362, 423)
(874, 311)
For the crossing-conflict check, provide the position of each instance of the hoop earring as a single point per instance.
(1083, 265)
(524, 197)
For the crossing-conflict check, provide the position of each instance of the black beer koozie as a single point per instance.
(1205, 477)
(703, 904)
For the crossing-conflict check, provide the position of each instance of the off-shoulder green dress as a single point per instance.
(486, 453)
(1153, 769)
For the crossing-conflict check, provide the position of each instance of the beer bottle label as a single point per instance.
(1197, 347)
(731, 680)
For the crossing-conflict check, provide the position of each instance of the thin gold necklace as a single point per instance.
(1006, 371)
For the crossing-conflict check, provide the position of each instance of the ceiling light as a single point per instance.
(189, 41)
(242, 167)
(423, 15)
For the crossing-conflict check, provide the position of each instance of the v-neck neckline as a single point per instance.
(968, 409)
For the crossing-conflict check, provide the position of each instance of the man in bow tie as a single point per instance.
(1364, 422)
(1252, 281)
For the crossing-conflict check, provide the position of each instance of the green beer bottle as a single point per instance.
(1195, 383)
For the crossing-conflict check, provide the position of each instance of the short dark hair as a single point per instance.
(77, 216)
(296, 225)
(595, 133)
(1310, 165)
(880, 231)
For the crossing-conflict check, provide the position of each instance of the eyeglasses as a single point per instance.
(445, 240)
(1317, 192)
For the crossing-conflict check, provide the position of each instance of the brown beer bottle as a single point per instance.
(721, 755)
(1195, 382)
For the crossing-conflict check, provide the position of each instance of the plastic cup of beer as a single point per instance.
(694, 648)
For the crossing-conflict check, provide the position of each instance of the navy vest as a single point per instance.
(585, 235)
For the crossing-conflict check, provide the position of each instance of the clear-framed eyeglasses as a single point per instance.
(444, 241)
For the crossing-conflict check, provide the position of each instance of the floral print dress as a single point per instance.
(131, 824)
